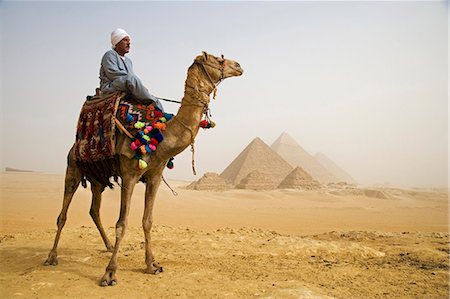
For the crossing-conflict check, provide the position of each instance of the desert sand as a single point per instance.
(327, 243)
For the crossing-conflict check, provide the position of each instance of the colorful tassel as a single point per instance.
(129, 118)
(158, 136)
(143, 150)
(148, 129)
(159, 126)
(139, 125)
(170, 163)
(154, 141)
(142, 164)
(206, 124)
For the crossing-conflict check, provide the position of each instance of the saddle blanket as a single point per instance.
(95, 150)
(95, 136)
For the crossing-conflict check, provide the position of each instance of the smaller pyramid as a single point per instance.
(210, 181)
(257, 156)
(256, 180)
(299, 179)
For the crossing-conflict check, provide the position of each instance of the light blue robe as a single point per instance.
(116, 74)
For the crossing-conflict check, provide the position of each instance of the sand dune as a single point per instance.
(230, 244)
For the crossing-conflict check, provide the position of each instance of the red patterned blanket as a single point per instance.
(95, 140)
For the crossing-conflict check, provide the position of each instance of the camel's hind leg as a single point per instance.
(72, 181)
(97, 190)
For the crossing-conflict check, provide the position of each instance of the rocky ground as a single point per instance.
(230, 263)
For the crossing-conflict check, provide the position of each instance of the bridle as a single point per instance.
(221, 68)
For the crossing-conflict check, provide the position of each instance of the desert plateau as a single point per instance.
(284, 243)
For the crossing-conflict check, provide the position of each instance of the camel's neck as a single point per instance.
(184, 127)
(197, 90)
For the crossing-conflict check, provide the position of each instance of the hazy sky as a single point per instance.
(365, 83)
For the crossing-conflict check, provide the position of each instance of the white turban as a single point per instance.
(117, 35)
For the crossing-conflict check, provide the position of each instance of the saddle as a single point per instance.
(95, 140)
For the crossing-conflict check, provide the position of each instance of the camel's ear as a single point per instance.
(205, 55)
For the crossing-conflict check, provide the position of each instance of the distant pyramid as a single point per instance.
(256, 181)
(332, 167)
(257, 156)
(299, 179)
(210, 181)
(295, 155)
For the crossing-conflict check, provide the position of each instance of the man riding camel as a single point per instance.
(116, 71)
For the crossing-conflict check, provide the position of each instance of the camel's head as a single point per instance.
(219, 68)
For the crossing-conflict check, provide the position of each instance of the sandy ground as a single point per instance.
(232, 244)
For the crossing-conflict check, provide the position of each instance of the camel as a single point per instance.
(202, 77)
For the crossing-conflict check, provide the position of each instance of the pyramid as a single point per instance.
(334, 169)
(210, 181)
(299, 179)
(257, 156)
(256, 181)
(295, 155)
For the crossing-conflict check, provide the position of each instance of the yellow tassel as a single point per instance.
(139, 125)
(142, 164)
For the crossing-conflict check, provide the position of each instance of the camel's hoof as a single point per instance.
(155, 268)
(108, 279)
(106, 283)
(52, 260)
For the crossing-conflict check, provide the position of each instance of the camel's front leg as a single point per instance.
(147, 221)
(109, 278)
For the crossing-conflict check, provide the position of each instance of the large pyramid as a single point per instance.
(257, 156)
(256, 181)
(299, 179)
(210, 181)
(295, 155)
(335, 170)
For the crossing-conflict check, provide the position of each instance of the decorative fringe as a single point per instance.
(100, 171)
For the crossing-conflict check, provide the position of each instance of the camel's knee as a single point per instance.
(120, 229)
(147, 225)
(61, 220)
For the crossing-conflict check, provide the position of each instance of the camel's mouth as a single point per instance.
(237, 70)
